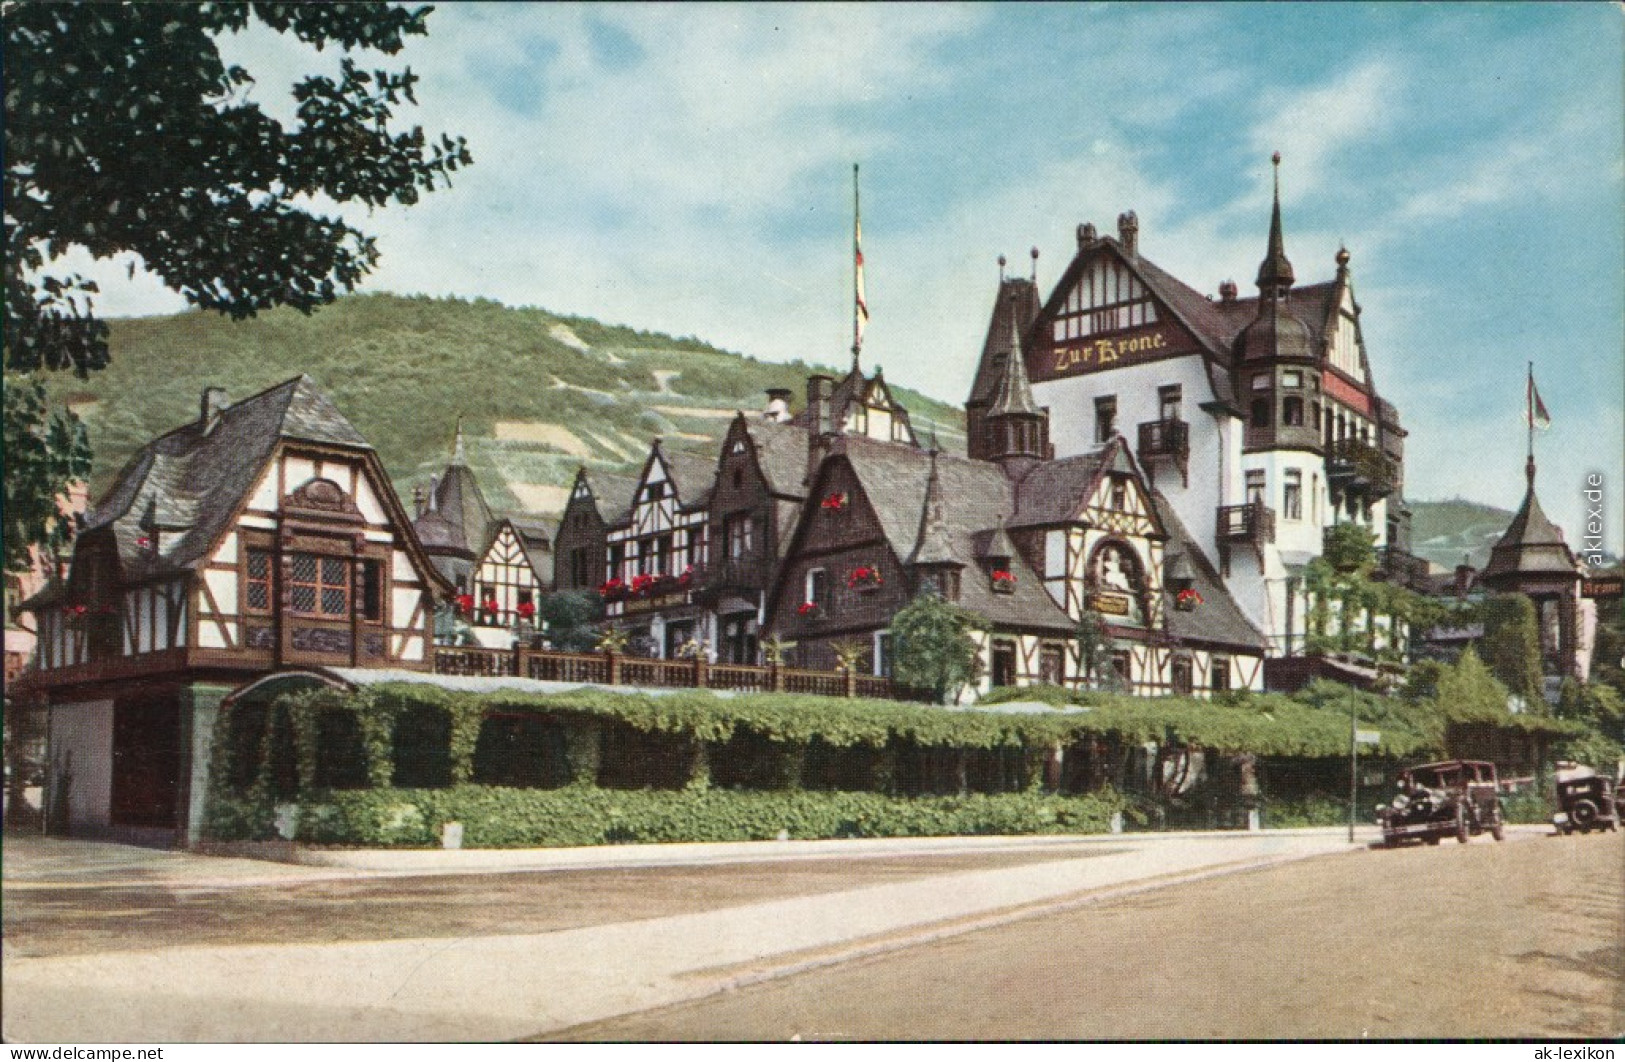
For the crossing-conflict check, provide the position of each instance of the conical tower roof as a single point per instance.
(1013, 395)
(1532, 546)
(935, 546)
(1275, 274)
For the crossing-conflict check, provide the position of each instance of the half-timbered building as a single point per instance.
(513, 573)
(263, 535)
(581, 546)
(1257, 419)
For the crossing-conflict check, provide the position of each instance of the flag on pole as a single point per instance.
(860, 307)
(1537, 416)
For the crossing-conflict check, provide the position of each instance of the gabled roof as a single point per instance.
(781, 454)
(693, 476)
(611, 494)
(1218, 618)
(896, 481)
(1054, 492)
(188, 483)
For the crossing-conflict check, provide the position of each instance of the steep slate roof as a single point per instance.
(781, 453)
(1054, 491)
(189, 482)
(464, 518)
(1016, 306)
(1532, 545)
(612, 495)
(693, 476)
(895, 480)
(1218, 618)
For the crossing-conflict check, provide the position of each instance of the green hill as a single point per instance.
(1445, 531)
(540, 394)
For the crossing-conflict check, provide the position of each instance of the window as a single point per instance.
(1168, 402)
(1292, 379)
(1314, 415)
(654, 491)
(1262, 382)
(1292, 495)
(1004, 664)
(1119, 495)
(617, 561)
(1261, 413)
(372, 591)
(662, 550)
(1105, 418)
(1051, 664)
(1292, 412)
(580, 561)
(1123, 669)
(1221, 674)
(319, 585)
(740, 539)
(1255, 487)
(1180, 673)
(817, 586)
(257, 586)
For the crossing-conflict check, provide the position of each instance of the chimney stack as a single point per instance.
(1087, 235)
(210, 406)
(778, 405)
(818, 391)
(1128, 232)
(1464, 578)
(1227, 292)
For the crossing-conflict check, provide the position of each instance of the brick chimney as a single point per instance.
(818, 392)
(1128, 232)
(778, 405)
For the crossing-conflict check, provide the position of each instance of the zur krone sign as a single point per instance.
(1073, 357)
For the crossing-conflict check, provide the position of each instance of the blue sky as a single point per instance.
(687, 169)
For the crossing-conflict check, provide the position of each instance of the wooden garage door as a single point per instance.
(146, 761)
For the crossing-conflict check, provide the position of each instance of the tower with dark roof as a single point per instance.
(1016, 429)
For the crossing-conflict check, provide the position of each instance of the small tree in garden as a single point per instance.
(1094, 642)
(1511, 646)
(571, 616)
(933, 647)
(850, 654)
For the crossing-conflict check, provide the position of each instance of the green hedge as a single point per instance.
(497, 817)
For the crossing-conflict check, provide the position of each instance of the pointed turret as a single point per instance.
(1017, 430)
(1014, 310)
(1275, 275)
(933, 558)
(1531, 546)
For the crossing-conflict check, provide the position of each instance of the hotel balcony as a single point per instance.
(1169, 439)
(1250, 524)
(1401, 568)
(1355, 467)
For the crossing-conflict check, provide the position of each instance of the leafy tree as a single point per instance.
(127, 133)
(1511, 645)
(932, 645)
(1348, 548)
(571, 617)
(1468, 692)
(1094, 643)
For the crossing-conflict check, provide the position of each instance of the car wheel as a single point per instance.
(1463, 832)
(1584, 814)
(1498, 829)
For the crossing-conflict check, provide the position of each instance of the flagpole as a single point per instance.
(857, 227)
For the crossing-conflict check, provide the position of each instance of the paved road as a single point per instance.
(115, 945)
(1524, 940)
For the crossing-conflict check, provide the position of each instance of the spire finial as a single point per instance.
(459, 453)
(1275, 272)
(1034, 253)
(1001, 268)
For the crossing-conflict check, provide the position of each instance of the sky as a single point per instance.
(688, 169)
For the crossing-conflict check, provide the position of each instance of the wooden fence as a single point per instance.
(615, 669)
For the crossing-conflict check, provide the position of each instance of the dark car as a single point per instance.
(1585, 800)
(1453, 798)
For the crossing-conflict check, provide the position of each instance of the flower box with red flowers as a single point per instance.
(465, 604)
(1187, 600)
(836, 500)
(613, 590)
(863, 579)
(526, 611)
(809, 609)
(1004, 581)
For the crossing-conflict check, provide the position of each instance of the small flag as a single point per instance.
(1537, 415)
(860, 308)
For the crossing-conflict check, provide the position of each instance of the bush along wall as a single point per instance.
(390, 764)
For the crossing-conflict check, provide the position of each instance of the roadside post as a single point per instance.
(1357, 737)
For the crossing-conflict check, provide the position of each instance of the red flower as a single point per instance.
(1187, 598)
(864, 576)
(836, 500)
(465, 603)
(807, 608)
(526, 610)
(1001, 575)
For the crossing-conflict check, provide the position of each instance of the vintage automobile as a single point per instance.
(1585, 799)
(1452, 798)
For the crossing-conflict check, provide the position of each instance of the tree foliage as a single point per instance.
(126, 132)
(1468, 692)
(1511, 645)
(571, 617)
(1348, 548)
(932, 646)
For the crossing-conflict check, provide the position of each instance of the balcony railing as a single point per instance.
(1253, 522)
(614, 669)
(1357, 467)
(1169, 438)
(746, 574)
